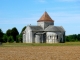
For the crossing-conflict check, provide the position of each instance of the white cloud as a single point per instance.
(18, 21)
(70, 21)
(65, 18)
(58, 17)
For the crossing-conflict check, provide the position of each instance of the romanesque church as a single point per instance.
(44, 32)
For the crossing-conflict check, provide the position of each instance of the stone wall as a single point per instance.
(45, 24)
(54, 37)
(27, 36)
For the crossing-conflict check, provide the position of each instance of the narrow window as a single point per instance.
(50, 37)
(57, 36)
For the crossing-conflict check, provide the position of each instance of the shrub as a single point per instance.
(5, 38)
(10, 39)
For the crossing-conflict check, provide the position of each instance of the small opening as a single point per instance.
(57, 36)
(50, 37)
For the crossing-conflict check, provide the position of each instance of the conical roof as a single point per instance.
(45, 17)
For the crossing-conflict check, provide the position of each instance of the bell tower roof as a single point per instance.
(45, 17)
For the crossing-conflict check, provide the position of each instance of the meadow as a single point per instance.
(43, 51)
(40, 44)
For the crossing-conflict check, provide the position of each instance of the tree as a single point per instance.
(1, 35)
(5, 38)
(14, 33)
(10, 39)
(73, 38)
(18, 39)
(23, 29)
(78, 37)
(8, 32)
(67, 39)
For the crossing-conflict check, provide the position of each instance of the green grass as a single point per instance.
(40, 44)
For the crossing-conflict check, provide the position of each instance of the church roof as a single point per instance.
(45, 17)
(49, 28)
(36, 28)
(54, 28)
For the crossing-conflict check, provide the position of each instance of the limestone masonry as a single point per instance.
(44, 32)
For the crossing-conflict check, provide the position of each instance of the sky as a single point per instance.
(20, 13)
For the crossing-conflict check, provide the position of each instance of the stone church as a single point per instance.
(44, 32)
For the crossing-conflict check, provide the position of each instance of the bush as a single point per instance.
(10, 39)
(18, 39)
(5, 38)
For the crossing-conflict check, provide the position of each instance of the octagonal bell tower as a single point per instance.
(45, 20)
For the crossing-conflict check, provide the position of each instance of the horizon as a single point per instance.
(18, 13)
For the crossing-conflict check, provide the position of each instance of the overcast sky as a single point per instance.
(20, 13)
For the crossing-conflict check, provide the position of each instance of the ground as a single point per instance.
(40, 53)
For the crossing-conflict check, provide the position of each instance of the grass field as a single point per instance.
(22, 51)
(41, 44)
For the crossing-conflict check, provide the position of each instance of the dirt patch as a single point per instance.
(40, 53)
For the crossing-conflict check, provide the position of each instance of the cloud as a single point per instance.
(58, 17)
(18, 21)
(65, 17)
(70, 21)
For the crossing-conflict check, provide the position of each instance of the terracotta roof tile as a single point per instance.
(45, 17)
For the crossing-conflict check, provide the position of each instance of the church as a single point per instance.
(44, 32)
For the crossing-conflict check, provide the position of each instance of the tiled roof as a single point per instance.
(49, 28)
(54, 28)
(45, 17)
(36, 28)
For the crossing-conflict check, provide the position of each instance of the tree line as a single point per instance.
(73, 38)
(11, 35)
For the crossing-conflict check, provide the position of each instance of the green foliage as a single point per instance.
(21, 34)
(5, 38)
(1, 35)
(14, 33)
(67, 38)
(21, 40)
(78, 36)
(73, 38)
(10, 39)
(18, 39)
(23, 29)
(8, 32)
